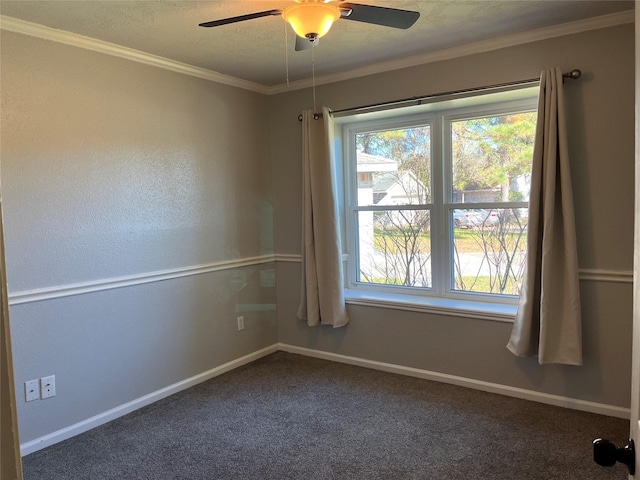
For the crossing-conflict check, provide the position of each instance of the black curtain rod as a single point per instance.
(573, 74)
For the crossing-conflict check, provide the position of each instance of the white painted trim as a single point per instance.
(570, 28)
(121, 410)
(586, 274)
(61, 291)
(47, 33)
(540, 397)
(496, 312)
(68, 38)
(102, 418)
(288, 257)
(612, 276)
(297, 258)
(48, 293)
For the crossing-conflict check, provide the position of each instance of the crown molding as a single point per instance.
(15, 25)
(46, 33)
(595, 23)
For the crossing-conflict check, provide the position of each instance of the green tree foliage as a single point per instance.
(489, 152)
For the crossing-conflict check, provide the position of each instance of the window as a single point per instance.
(436, 197)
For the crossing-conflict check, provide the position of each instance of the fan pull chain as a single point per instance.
(313, 79)
(286, 52)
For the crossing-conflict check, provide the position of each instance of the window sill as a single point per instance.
(440, 306)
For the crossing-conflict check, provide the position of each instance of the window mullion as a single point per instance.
(438, 237)
(487, 205)
(384, 208)
(350, 198)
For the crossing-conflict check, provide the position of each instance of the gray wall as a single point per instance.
(113, 170)
(110, 170)
(601, 132)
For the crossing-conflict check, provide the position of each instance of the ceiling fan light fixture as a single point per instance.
(311, 20)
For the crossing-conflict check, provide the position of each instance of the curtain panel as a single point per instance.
(548, 322)
(322, 285)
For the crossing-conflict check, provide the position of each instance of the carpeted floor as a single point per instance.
(293, 417)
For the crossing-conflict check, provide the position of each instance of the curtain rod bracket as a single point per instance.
(316, 116)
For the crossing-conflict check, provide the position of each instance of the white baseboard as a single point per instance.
(119, 411)
(88, 424)
(557, 400)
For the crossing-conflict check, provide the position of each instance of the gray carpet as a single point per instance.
(293, 417)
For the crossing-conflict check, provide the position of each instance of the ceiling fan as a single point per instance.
(312, 19)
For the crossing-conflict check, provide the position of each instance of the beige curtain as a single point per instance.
(548, 323)
(322, 286)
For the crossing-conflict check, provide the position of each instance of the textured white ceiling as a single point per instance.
(256, 50)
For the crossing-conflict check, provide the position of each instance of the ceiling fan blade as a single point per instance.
(241, 18)
(305, 43)
(389, 17)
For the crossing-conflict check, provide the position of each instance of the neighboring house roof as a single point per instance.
(389, 185)
(384, 181)
(395, 188)
(375, 163)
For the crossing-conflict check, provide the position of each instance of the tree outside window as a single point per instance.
(479, 205)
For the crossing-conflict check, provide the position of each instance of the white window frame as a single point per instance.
(439, 116)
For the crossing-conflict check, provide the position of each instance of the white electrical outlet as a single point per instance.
(31, 390)
(240, 323)
(48, 387)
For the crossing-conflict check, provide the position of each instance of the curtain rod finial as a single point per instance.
(574, 74)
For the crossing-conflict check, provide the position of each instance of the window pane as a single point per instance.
(394, 167)
(395, 247)
(491, 158)
(489, 250)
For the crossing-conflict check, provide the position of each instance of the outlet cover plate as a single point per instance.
(48, 387)
(31, 390)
